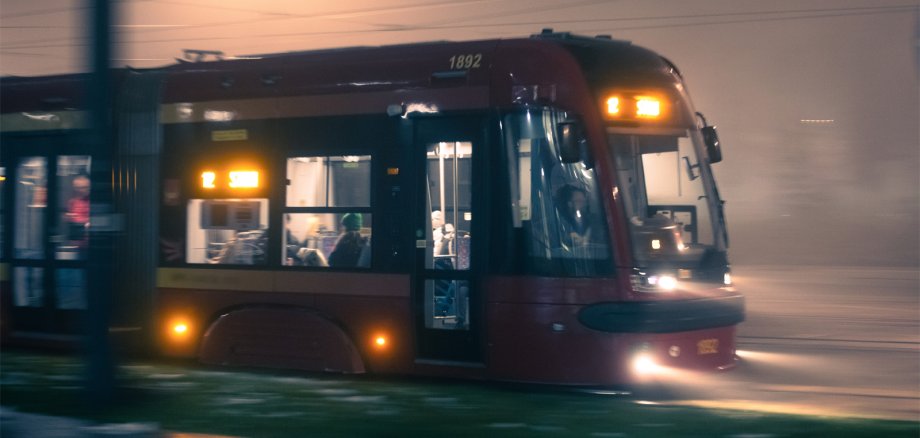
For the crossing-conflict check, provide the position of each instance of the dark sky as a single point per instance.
(842, 193)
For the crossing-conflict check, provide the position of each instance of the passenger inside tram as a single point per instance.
(443, 236)
(351, 243)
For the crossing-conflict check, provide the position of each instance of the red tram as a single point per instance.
(537, 209)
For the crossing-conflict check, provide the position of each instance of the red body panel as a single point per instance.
(279, 337)
(336, 72)
(361, 318)
(541, 339)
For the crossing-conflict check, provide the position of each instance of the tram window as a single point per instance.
(327, 239)
(31, 200)
(227, 231)
(449, 199)
(329, 181)
(659, 176)
(555, 204)
(324, 235)
(682, 190)
(520, 187)
(72, 237)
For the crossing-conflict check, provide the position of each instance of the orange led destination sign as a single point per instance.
(234, 179)
(208, 179)
(244, 179)
(635, 107)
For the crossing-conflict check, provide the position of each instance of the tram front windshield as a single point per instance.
(668, 195)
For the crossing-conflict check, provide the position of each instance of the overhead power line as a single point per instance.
(42, 12)
(326, 15)
(758, 16)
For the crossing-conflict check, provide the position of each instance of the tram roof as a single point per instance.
(327, 70)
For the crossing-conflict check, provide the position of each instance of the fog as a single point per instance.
(816, 101)
(801, 189)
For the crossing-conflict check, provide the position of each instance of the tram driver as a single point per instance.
(575, 212)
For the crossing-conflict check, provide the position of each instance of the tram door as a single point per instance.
(49, 220)
(446, 299)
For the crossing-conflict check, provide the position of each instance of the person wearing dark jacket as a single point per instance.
(351, 243)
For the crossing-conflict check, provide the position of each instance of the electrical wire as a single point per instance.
(331, 15)
(788, 15)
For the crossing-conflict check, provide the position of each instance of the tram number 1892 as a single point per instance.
(707, 346)
(461, 62)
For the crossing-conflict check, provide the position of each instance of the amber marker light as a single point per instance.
(380, 341)
(178, 328)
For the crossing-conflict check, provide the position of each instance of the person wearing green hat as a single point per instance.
(351, 243)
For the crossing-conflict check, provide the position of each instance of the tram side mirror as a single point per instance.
(711, 138)
(571, 141)
(713, 148)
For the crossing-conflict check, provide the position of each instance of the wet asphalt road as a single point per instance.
(826, 341)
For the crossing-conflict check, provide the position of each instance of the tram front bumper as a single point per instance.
(665, 316)
(668, 335)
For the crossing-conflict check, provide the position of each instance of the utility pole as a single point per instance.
(100, 369)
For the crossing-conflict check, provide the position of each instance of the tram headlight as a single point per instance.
(664, 282)
(644, 364)
(643, 282)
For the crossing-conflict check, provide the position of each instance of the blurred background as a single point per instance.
(817, 101)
